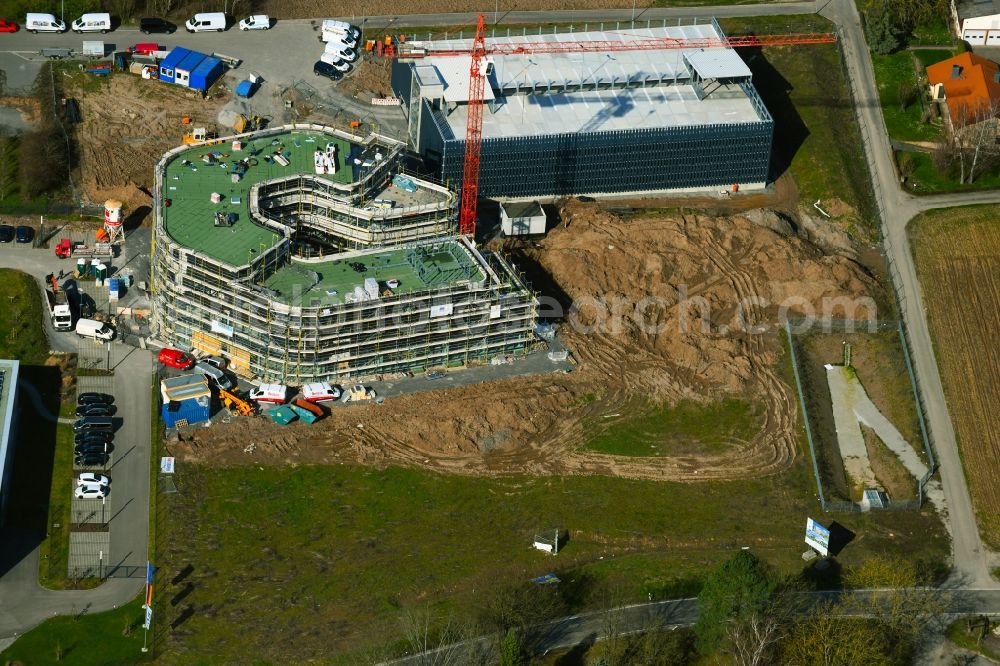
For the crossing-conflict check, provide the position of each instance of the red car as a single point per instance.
(145, 48)
(175, 358)
(7, 26)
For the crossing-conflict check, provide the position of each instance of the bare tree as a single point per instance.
(161, 6)
(974, 138)
(123, 9)
(441, 643)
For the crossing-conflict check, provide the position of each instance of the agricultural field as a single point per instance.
(957, 253)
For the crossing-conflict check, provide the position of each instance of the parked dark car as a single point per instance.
(94, 423)
(6, 233)
(98, 436)
(321, 68)
(86, 449)
(95, 399)
(96, 410)
(89, 459)
(153, 24)
(24, 234)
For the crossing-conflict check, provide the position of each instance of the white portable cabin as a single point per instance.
(522, 219)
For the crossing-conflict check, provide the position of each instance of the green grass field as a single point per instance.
(312, 561)
(21, 333)
(816, 136)
(892, 72)
(102, 639)
(54, 551)
(688, 428)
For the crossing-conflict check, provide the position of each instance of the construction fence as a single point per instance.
(849, 326)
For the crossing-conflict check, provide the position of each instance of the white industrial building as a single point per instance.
(977, 22)
(8, 427)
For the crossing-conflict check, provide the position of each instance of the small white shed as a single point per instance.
(522, 219)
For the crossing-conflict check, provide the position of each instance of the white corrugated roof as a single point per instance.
(717, 64)
(598, 91)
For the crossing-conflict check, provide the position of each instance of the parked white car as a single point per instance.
(89, 478)
(91, 491)
(256, 22)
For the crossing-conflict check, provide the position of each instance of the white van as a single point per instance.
(276, 393)
(98, 22)
(218, 377)
(37, 23)
(206, 22)
(340, 51)
(333, 27)
(96, 330)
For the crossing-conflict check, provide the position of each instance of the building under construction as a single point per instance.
(304, 253)
(591, 122)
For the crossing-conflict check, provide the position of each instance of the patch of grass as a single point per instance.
(54, 550)
(349, 548)
(686, 428)
(816, 136)
(928, 57)
(891, 73)
(925, 178)
(958, 632)
(22, 335)
(933, 33)
(83, 640)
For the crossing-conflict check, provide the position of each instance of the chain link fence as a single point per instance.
(850, 326)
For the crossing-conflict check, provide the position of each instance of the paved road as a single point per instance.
(587, 628)
(23, 602)
(972, 563)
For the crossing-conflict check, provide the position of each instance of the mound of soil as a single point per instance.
(658, 309)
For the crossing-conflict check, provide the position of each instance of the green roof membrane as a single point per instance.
(189, 219)
(426, 267)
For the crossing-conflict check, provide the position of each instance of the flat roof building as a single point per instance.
(8, 429)
(305, 253)
(593, 122)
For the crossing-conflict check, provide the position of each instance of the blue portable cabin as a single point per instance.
(193, 410)
(170, 63)
(186, 398)
(205, 74)
(182, 73)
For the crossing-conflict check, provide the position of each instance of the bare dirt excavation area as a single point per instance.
(638, 346)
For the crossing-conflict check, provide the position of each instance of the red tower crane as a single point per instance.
(474, 127)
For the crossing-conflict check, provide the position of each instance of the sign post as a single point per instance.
(817, 537)
(148, 606)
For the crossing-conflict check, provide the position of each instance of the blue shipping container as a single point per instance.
(182, 73)
(206, 74)
(193, 411)
(169, 63)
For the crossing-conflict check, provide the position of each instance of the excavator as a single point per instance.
(236, 404)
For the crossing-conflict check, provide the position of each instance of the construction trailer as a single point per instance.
(525, 218)
(313, 283)
(190, 69)
(169, 64)
(186, 400)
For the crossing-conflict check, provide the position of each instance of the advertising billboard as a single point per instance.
(817, 537)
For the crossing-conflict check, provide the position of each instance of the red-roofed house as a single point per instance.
(969, 84)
